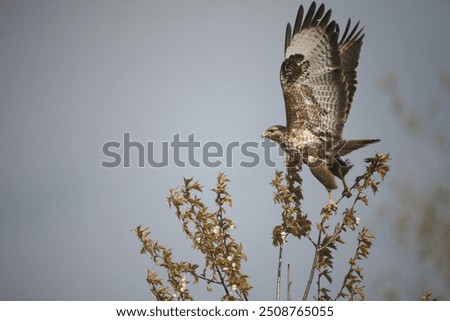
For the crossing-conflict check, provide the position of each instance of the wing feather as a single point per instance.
(298, 21)
(313, 83)
(326, 19)
(287, 39)
(349, 49)
(309, 16)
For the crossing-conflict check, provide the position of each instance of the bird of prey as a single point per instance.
(318, 79)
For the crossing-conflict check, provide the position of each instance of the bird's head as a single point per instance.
(275, 133)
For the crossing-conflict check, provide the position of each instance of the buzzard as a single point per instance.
(318, 78)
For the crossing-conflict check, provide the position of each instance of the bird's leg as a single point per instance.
(331, 203)
(346, 192)
(340, 168)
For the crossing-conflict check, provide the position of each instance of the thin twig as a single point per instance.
(311, 276)
(280, 261)
(313, 267)
(289, 283)
(222, 280)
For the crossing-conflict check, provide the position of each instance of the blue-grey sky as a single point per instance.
(77, 74)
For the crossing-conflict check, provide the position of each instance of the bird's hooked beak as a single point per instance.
(265, 134)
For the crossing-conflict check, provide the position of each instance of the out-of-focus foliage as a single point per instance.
(421, 210)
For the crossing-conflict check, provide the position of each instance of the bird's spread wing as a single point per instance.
(318, 75)
(349, 50)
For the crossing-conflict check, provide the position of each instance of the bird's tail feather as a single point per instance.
(347, 146)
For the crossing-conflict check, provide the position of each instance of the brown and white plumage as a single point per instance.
(318, 78)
